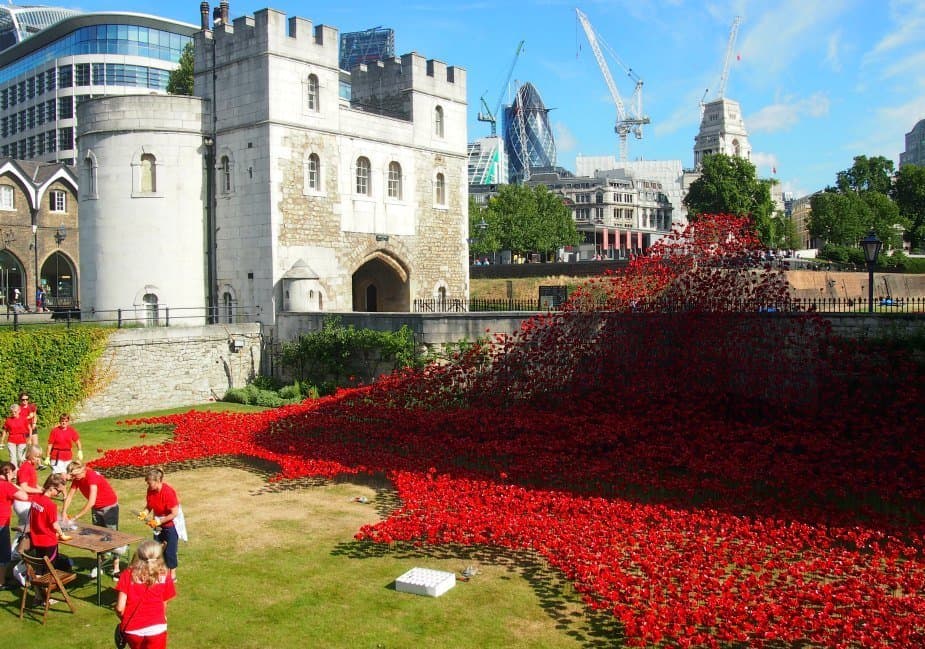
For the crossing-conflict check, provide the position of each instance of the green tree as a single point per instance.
(839, 219)
(843, 215)
(524, 219)
(483, 238)
(729, 185)
(180, 81)
(782, 233)
(909, 193)
(867, 175)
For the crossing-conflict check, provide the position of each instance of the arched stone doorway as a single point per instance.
(59, 280)
(12, 277)
(381, 284)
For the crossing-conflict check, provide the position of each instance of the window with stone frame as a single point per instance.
(6, 197)
(312, 98)
(440, 189)
(57, 201)
(395, 180)
(363, 176)
(312, 174)
(438, 121)
(225, 174)
(90, 168)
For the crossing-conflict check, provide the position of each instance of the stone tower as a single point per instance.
(722, 130)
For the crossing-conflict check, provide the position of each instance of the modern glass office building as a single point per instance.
(528, 138)
(19, 23)
(45, 77)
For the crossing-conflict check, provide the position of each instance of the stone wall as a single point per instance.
(153, 368)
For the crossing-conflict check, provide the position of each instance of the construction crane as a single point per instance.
(625, 124)
(491, 116)
(733, 32)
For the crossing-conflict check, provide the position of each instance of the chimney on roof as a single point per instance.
(216, 16)
(204, 15)
(224, 5)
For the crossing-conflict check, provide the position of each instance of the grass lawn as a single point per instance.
(276, 565)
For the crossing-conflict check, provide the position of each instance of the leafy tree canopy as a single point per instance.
(729, 185)
(867, 175)
(860, 202)
(522, 219)
(909, 193)
(180, 81)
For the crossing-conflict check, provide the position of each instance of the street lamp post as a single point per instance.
(871, 246)
(481, 226)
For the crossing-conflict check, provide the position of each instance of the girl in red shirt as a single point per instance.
(29, 412)
(44, 529)
(27, 478)
(102, 502)
(164, 504)
(144, 589)
(60, 440)
(16, 433)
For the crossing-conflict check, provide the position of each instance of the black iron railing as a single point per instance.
(159, 316)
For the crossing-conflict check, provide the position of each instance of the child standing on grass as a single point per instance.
(60, 441)
(164, 504)
(16, 434)
(144, 589)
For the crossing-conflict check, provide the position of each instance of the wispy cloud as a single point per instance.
(773, 40)
(909, 18)
(766, 163)
(565, 140)
(891, 124)
(782, 116)
(833, 51)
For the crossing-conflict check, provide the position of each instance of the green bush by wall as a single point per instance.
(56, 366)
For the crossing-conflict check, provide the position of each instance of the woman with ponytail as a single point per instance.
(143, 593)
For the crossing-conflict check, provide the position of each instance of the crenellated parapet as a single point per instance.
(267, 31)
(391, 84)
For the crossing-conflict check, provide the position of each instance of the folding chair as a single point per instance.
(45, 584)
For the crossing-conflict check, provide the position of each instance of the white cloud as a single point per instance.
(832, 51)
(909, 65)
(783, 116)
(565, 140)
(793, 186)
(909, 18)
(765, 163)
(771, 41)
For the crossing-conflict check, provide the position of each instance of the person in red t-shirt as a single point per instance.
(60, 440)
(9, 493)
(16, 434)
(162, 502)
(144, 589)
(102, 502)
(27, 478)
(44, 529)
(29, 412)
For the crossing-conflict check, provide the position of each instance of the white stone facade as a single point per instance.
(295, 148)
(270, 166)
(722, 130)
(141, 208)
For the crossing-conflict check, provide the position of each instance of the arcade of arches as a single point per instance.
(58, 277)
(381, 284)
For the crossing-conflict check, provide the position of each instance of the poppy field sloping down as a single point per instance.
(711, 471)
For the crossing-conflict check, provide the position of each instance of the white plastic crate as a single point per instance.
(425, 581)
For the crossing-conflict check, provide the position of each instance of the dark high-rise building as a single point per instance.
(528, 138)
(367, 46)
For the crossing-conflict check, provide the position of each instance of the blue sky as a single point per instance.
(819, 81)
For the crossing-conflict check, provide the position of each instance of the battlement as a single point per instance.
(411, 72)
(269, 30)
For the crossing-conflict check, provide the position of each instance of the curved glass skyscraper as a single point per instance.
(527, 136)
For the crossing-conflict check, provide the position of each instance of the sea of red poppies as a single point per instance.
(723, 476)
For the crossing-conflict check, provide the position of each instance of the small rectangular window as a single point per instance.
(65, 76)
(82, 71)
(6, 197)
(65, 107)
(57, 201)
